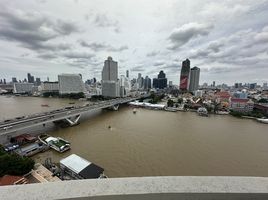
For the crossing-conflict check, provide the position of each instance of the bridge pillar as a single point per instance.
(73, 122)
(115, 107)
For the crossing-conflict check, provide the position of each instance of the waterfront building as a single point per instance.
(194, 79)
(50, 87)
(241, 105)
(110, 82)
(70, 83)
(161, 81)
(80, 168)
(23, 88)
(185, 75)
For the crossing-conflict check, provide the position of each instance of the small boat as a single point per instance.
(55, 143)
(134, 110)
(202, 111)
(222, 112)
(31, 149)
(265, 121)
(44, 105)
(72, 103)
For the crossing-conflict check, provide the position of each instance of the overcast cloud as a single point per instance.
(227, 39)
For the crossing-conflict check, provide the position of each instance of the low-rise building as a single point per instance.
(241, 105)
(23, 88)
(49, 86)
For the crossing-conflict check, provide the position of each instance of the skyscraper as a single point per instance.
(110, 70)
(110, 82)
(14, 80)
(30, 78)
(194, 79)
(147, 83)
(127, 74)
(185, 75)
(161, 81)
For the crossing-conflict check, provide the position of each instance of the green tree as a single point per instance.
(180, 100)
(170, 103)
(13, 164)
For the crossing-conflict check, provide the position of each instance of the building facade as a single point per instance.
(49, 87)
(241, 105)
(194, 79)
(71, 84)
(23, 88)
(161, 81)
(110, 82)
(185, 75)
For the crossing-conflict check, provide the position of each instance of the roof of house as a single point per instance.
(9, 180)
(223, 94)
(237, 100)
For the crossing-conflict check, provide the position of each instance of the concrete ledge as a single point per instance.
(144, 188)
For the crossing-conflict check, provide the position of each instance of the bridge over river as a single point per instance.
(70, 115)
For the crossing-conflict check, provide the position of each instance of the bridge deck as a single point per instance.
(20, 123)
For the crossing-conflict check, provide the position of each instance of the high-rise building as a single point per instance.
(37, 81)
(14, 80)
(127, 74)
(110, 82)
(125, 86)
(30, 78)
(194, 79)
(185, 75)
(140, 81)
(70, 83)
(147, 83)
(110, 70)
(161, 81)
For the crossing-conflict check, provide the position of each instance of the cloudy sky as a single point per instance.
(227, 39)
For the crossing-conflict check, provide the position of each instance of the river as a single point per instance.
(156, 143)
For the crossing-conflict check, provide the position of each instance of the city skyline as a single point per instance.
(227, 40)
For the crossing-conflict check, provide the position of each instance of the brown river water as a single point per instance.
(156, 143)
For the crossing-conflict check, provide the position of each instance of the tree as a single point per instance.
(170, 103)
(263, 101)
(13, 164)
(180, 100)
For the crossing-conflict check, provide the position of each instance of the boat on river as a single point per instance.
(55, 143)
(202, 111)
(265, 121)
(171, 109)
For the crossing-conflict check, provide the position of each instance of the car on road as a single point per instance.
(7, 127)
